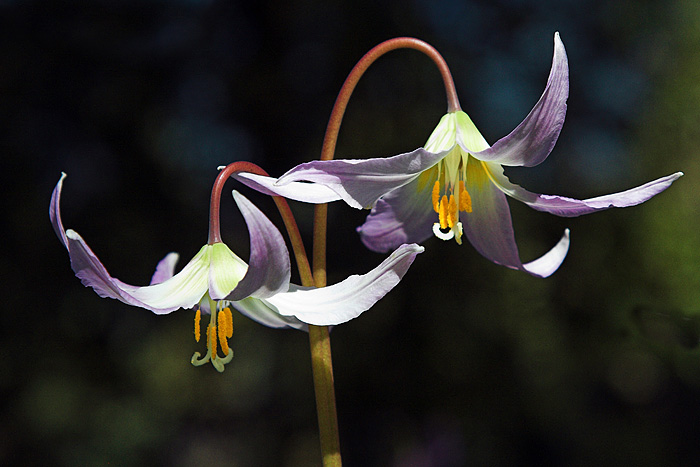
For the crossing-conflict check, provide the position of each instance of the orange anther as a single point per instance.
(197, 328)
(452, 212)
(222, 332)
(465, 201)
(229, 322)
(436, 196)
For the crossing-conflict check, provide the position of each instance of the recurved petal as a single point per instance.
(547, 264)
(404, 215)
(181, 291)
(360, 182)
(490, 229)
(269, 268)
(92, 272)
(569, 207)
(165, 268)
(346, 300)
(298, 191)
(531, 142)
(262, 312)
(55, 211)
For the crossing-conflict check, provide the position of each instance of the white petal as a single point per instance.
(266, 314)
(184, 290)
(546, 265)
(300, 191)
(346, 300)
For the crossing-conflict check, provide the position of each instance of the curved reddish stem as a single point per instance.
(215, 202)
(336, 118)
(282, 206)
(319, 335)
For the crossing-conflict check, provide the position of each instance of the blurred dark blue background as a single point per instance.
(465, 363)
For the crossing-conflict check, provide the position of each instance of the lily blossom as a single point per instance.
(217, 279)
(456, 185)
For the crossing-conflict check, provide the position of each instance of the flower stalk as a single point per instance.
(290, 224)
(319, 336)
(333, 128)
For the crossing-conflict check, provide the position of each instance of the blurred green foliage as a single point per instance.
(466, 363)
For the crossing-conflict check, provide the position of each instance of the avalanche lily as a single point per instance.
(217, 279)
(455, 185)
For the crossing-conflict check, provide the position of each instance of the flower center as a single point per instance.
(449, 199)
(219, 331)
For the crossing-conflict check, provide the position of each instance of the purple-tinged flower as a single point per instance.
(455, 185)
(217, 278)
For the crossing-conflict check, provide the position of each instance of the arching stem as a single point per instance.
(319, 335)
(336, 118)
(282, 206)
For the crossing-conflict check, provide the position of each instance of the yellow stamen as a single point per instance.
(229, 322)
(452, 212)
(211, 335)
(443, 212)
(436, 196)
(197, 328)
(223, 330)
(465, 201)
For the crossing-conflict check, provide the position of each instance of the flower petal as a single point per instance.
(569, 207)
(55, 211)
(547, 264)
(404, 215)
(360, 182)
(269, 268)
(262, 312)
(181, 291)
(346, 300)
(226, 271)
(531, 142)
(184, 290)
(165, 268)
(299, 191)
(490, 229)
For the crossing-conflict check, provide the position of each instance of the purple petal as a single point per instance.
(84, 262)
(532, 141)
(165, 268)
(348, 299)
(299, 191)
(568, 207)
(269, 267)
(92, 273)
(404, 215)
(360, 182)
(490, 230)
(55, 211)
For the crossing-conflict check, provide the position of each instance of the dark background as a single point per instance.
(466, 362)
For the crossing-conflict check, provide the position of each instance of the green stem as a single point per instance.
(318, 335)
(322, 365)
